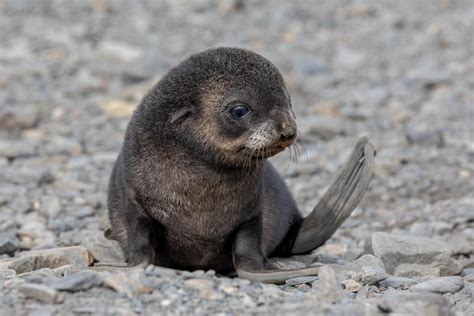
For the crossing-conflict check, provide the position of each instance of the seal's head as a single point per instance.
(227, 105)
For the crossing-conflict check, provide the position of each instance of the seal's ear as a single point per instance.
(181, 114)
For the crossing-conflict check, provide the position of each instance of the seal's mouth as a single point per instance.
(267, 152)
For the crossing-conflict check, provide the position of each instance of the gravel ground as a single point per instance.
(401, 72)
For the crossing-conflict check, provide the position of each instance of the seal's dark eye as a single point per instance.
(238, 111)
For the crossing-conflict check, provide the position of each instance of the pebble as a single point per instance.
(330, 287)
(37, 291)
(103, 249)
(161, 271)
(351, 285)
(410, 251)
(301, 280)
(7, 274)
(397, 282)
(448, 284)
(23, 117)
(421, 304)
(368, 291)
(51, 258)
(17, 149)
(8, 244)
(199, 284)
(425, 137)
(79, 281)
(364, 261)
(370, 275)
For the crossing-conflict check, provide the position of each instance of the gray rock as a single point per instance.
(51, 258)
(304, 288)
(397, 282)
(330, 287)
(50, 206)
(425, 137)
(431, 228)
(132, 282)
(8, 244)
(411, 270)
(365, 260)
(467, 278)
(40, 292)
(368, 291)
(301, 280)
(448, 284)
(103, 249)
(351, 285)
(199, 284)
(19, 117)
(40, 274)
(371, 275)
(422, 304)
(80, 281)
(461, 245)
(161, 271)
(17, 149)
(7, 274)
(395, 250)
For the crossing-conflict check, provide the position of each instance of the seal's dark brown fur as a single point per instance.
(191, 188)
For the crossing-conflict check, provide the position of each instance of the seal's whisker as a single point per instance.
(299, 144)
(297, 152)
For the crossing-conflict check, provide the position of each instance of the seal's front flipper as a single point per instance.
(250, 263)
(339, 200)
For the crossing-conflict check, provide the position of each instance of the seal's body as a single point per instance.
(191, 188)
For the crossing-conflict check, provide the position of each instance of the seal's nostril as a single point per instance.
(286, 136)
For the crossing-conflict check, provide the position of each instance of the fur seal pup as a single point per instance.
(191, 187)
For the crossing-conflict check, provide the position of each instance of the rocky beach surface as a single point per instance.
(400, 72)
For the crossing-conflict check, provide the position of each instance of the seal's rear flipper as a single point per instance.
(276, 276)
(339, 200)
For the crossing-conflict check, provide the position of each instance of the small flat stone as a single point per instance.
(351, 285)
(40, 292)
(397, 282)
(364, 261)
(368, 291)
(103, 249)
(161, 271)
(371, 275)
(330, 286)
(422, 304)
(80, 281)
(442, 285)
(199, 284)
(469, 277)
(301, 280)
(51, 258)
(303, 287)
(8, 244)
(132, 282)
(7, 274)
(412, 270)
(432, 257)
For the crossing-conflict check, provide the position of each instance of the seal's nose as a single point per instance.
(288, 132)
